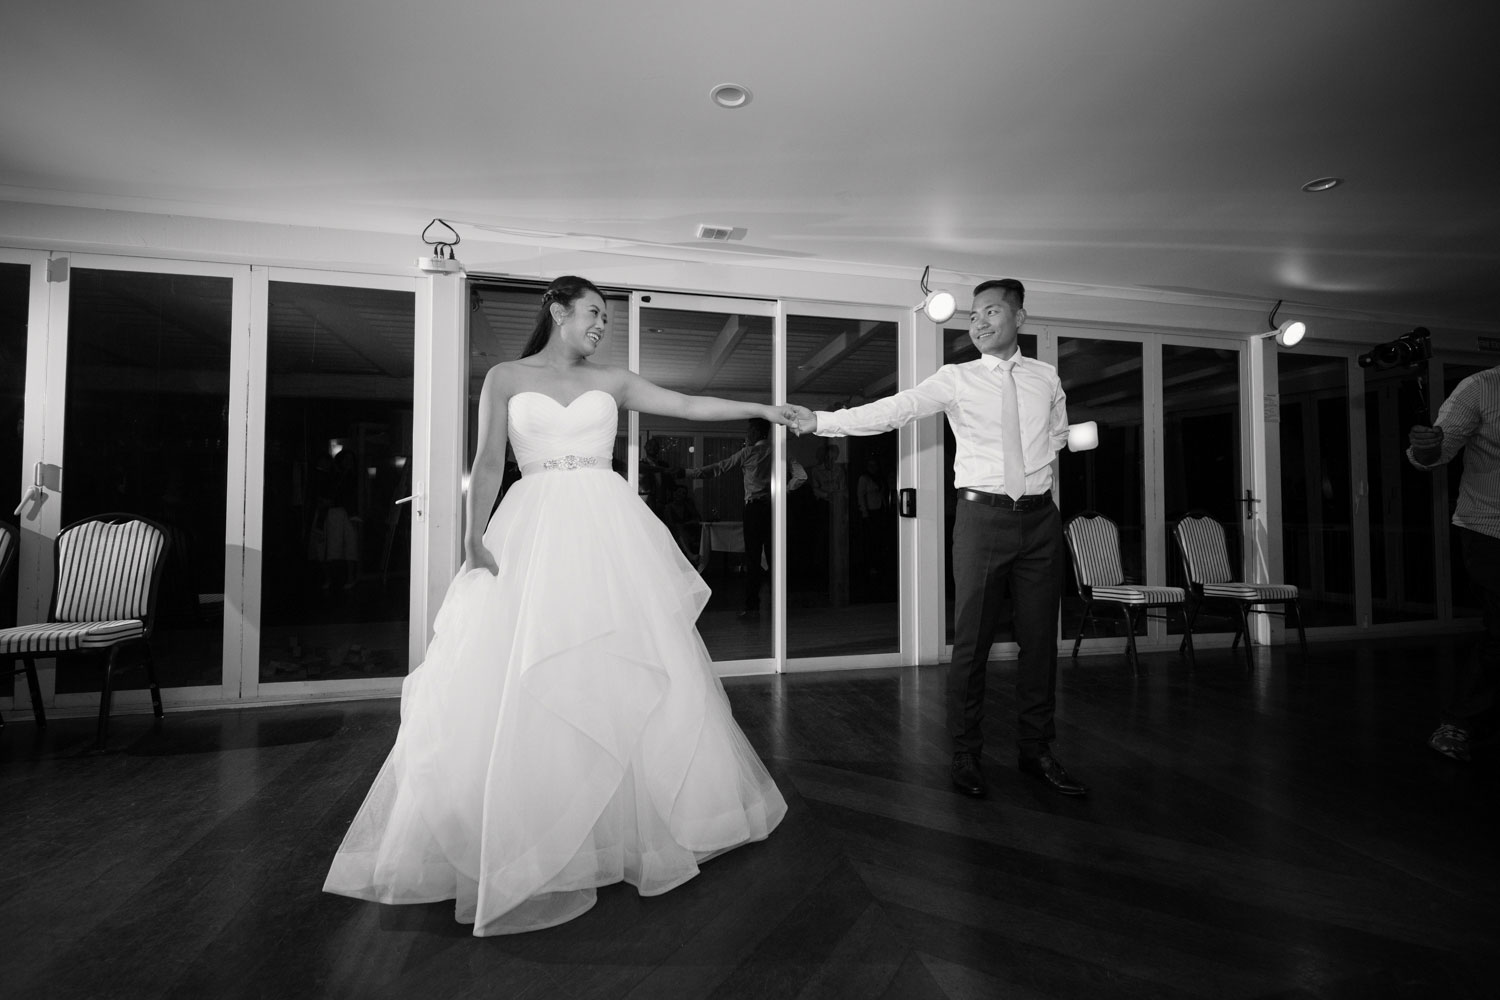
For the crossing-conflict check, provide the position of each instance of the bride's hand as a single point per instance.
(800, 419)
(478, 556)
(788, 416)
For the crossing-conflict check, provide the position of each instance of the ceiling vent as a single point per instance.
(721, 234)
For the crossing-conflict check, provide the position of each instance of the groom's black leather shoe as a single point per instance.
(967, 777)
(1050, 770)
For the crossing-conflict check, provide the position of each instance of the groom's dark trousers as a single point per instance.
(998, 551)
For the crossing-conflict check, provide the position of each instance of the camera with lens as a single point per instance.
(1407, 351)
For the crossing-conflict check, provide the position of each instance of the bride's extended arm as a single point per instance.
(639, 394)
(487, 473)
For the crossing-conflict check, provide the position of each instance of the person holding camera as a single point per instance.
(1469, 421)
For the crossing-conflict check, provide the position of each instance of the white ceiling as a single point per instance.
(1138, 144)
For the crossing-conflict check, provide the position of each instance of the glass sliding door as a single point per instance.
(336, 536)
(1104, 380)
(1202, 458)
(1317, 485)
(718, 347)
(15, 298)
(1402, 566)
(843, 564)
(145, 418)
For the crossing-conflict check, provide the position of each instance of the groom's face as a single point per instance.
(994, 322)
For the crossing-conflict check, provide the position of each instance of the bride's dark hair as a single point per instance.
(567, 289)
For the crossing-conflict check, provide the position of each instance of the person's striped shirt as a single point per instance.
(1470, 419)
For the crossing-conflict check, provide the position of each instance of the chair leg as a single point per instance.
(1190, 606)
(151, 677)
(36, 693)
(106, 693)
(1078, 639)
(1130, 653)
(1187, 635)
(1244, 625)
(1296, 606)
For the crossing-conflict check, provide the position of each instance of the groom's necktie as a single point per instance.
(1010, 434)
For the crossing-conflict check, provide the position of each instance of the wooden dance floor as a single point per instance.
(1275, 832)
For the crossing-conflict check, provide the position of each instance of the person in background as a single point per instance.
(1469, 421)
(830, 486)
(754, 462)
(872, 494)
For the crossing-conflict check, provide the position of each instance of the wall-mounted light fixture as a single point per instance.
(1289, 333)
(939, 306)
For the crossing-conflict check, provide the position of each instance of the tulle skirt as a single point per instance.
(565, 731)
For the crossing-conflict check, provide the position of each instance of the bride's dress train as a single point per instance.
(566, 730)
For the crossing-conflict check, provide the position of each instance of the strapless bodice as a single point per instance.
(541, 428)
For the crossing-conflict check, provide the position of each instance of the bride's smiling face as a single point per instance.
(582, 327)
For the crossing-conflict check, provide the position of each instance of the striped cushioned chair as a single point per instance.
(1205, 561)
(103, 603)
(1094, 542)
(8, 547)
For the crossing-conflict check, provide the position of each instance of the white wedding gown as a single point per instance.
(566, 730)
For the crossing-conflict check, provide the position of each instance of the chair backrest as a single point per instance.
(108, 568)
(7, 549)
(1205, 556)
(1095, 543)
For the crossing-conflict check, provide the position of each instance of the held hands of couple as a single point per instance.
(800, 419)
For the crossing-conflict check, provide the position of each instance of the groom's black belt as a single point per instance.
(1030, 501)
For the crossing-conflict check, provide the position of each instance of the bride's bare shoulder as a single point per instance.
(509, 377)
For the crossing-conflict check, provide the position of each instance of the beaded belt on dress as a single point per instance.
(566, 463)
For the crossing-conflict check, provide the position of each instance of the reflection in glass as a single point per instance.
(1468, 599)
(1402, 568)
(1316, 511)
(14, 298)
(335, 584)
(146, 427)
(957, 349)
(727, 355)
(1201, 425)
(843, 572)
(1104, 383)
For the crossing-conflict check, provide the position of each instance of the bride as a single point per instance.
(566, 730)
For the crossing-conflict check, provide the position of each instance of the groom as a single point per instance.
(1009, 418)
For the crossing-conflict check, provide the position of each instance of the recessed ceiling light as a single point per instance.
(730, 95)
(1322, 184)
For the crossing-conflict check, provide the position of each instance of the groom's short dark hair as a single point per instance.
(1011, 289)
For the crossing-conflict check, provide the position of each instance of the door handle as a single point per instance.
(1249, 500)
(415, 500)
(32, 493)
(43, 477)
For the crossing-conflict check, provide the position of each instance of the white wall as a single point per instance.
(618, 263)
